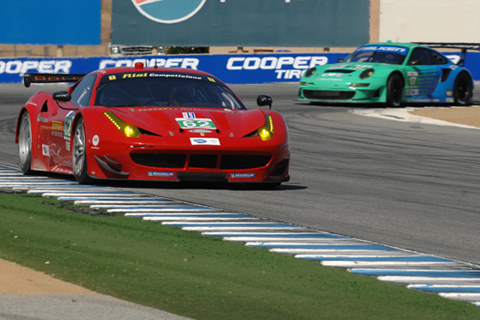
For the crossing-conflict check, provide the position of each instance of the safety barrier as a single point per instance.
(232, 69)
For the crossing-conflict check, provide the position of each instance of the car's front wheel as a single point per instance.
(79, 154)
(395, 90)
(25, 143)
(463, 90)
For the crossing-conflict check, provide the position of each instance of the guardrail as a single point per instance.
(27, 53)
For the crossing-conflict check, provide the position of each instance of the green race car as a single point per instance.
(389, 73)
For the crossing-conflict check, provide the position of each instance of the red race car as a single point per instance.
(139, 123)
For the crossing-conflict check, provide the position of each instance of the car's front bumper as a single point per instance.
(164, 163)
(344, 93)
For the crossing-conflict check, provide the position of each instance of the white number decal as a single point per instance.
(195, 123)
(413, 81)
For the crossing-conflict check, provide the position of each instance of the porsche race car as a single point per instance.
(149, 123)
(390, 73)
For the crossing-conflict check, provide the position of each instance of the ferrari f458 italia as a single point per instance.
(149, 123)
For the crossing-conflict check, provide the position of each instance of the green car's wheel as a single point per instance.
(395, 91)
(463, 90)
(25, 143)
(79, 154)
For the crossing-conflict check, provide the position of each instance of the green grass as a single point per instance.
(197, 276)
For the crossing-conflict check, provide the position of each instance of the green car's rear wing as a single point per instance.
(463, 46)
(29, 78)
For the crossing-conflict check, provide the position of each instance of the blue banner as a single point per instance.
(232, 69)
(50, 22)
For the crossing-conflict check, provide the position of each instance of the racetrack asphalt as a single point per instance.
(93, 306)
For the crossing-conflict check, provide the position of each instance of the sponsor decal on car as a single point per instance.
(57, 129)
(160, 174)
(95, 140)
(242, 175)
(205, 141)
(59, 169)
(395, 49)
(333, 75)
(188, 115)
(41, 119)
(200, 131)
(45, 150)
(57, 126)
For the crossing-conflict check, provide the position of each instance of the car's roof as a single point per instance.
(390, 43)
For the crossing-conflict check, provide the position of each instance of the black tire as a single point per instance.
(25, 143)
(79, 154)
(463, 90)
(395, 86)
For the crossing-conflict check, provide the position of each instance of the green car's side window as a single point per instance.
(420, 57)
(425, 57)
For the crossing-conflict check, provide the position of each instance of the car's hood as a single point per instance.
(357, 66)
(346, 71)
(171, 120)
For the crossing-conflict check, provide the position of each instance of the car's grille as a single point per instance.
(338, 71)
(206, 161)
(159, 160)
(328, 94)
(203, 161)
(243, 161)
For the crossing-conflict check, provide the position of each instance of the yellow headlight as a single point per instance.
(127, 129)
(266, 132)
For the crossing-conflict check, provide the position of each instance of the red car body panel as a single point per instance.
(167, 149)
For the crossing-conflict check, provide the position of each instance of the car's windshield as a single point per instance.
(164, 89)
(379, 54)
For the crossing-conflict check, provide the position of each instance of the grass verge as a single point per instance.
(196, 276)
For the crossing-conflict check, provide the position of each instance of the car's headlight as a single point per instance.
(266, 132)
(367, 73)
(127, 129)
(359, 85)
(310, 72)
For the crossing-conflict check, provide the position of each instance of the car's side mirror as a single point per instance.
(62, 96)
(264, 100)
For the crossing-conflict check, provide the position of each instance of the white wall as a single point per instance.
(430, 20)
